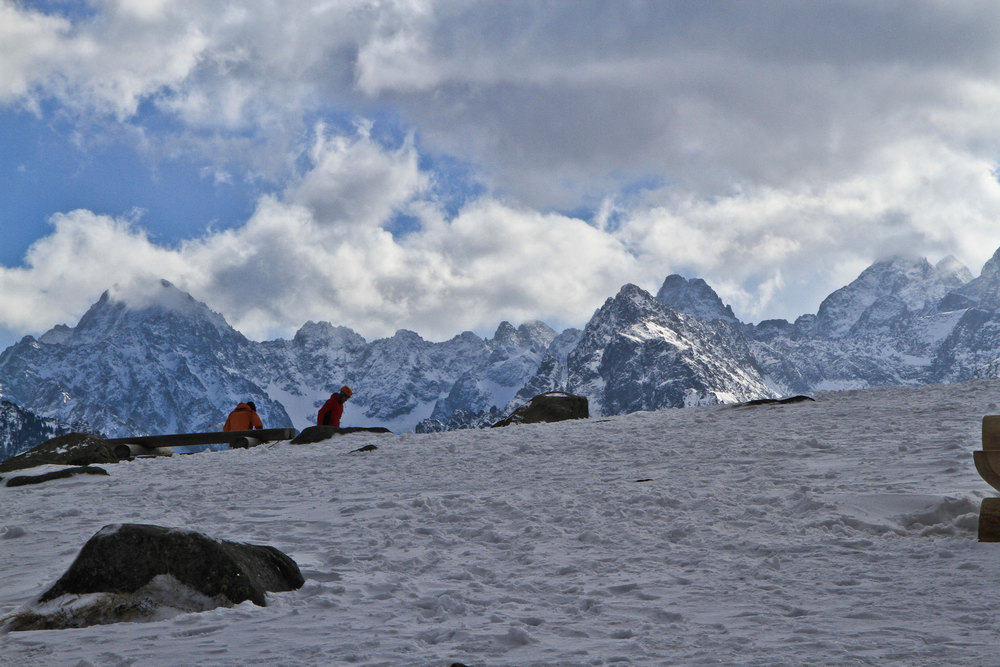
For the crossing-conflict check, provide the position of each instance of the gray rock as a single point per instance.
(121, 558)
(549, 407)
(71, 449)
(133, 569)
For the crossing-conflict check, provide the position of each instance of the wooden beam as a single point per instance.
(210, 438)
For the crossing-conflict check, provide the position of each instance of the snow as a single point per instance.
(841, 531)
(657, 331)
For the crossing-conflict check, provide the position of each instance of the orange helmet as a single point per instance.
(346, 391)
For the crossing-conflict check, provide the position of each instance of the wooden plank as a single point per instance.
(210, 438)
(991, 432)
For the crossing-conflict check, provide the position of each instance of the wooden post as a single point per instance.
(991, 432)
(988, 465)
(989, 520)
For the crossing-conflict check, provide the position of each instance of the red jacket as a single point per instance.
(242, 419)
(329, 414)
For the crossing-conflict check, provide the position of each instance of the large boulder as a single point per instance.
(77, 449)
(139, 567)
(552, 406)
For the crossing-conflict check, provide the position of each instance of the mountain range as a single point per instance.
(163, 362)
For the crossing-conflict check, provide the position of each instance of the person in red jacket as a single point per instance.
(243, 418)
(329, 414)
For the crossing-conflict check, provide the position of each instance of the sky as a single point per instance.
(442, 166)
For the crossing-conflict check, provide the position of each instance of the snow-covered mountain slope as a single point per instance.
(886, 291)
(982, 292)
(164, 364)
(837, 532)
(902, 321)
(479, 396)
(20, 429)
(638, 354)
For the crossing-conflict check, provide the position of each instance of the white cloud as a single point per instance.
(27, 42)
(67, 270)
(306, 256)
(355, 182)
(794, 147)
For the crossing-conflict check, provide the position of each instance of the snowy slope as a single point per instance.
(836, 532)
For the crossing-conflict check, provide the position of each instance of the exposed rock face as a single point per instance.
(897, 286)
(775, 401)
(123, 559)
(550, 407)
(694, 297)
(70, 449)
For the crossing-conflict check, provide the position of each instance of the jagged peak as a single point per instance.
(131, 305)
(404, 335)
(536, 332)
(633, 292)
(631, 303)
(505, 333)
(326, 333)
(951, 267)
(906, 265)
(694, 297)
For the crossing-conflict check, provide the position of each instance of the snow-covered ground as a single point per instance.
(836, 532)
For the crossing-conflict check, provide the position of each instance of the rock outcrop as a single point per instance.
(553, 406)
(128, 571)
(77, 449)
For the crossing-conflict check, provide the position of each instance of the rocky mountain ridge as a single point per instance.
(164, 362)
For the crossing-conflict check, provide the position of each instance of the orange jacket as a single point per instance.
(242, 419)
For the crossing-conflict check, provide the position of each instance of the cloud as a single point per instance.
(305, 255)
(775, 154)
(356, 183)
(65, 271)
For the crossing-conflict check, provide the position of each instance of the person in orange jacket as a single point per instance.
(330, 413)
(243, 418)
